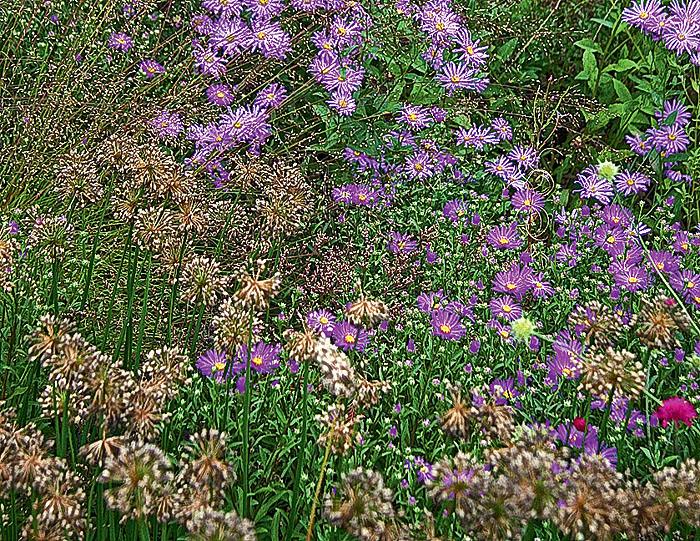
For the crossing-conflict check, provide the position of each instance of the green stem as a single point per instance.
(317, 493)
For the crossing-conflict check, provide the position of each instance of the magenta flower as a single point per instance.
(402, 243)
(676, 410)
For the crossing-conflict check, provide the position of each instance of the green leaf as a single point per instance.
(624, 64)
(588, 44)
(621, 91)
(590, 68)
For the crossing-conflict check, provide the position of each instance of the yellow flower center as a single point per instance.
(454, 79)
(566, 371)
(257, 361)
(342, 31)
(672, 136)
(219, 94)
(690, 285)
(503, 241)
(470, 51)
(237, 125)
(439, 27)
(327, 46)
(503, 333)
(261, 35)
(413, 117)
(611, 239)
(681, 37)
(632, 280)
(510, 287)
(343, 103)
(418, 167)
(630, 182)
(660, 266)
(349, 338)
(219, 366)
(643, 15)
(362, 197)
(684, 246)
(323, 320)
(507, 394)
(527, 203)
(151, 69)
(121, 41)
(507, 309)
(445, 329)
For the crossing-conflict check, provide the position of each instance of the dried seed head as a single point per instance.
(609, 371)
(659, 320)
(234, 326)
(362, 505)
(597, 324)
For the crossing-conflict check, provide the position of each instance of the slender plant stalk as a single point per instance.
(317, 493)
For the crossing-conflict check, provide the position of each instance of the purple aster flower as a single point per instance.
(525, 157)
(682, 37)
(271, 96)
(469, 50)
(674, 107)
(631, 183)
(514, 281)
(265, 9)
(664, 262)
(611, 238)
(167, 125)
(348, 337)
(504, 390)
(208, 62)
(681, 242)
(540, 287)
(561, 366)
(343, 103)
(670, 139)
(424, 470)
(321, 320)
(502, 128)
(503, 237)
(219, 94)
(225, 8)
(263, 358)
(268, 38)
(213, 365)
(594, 186)
(151, 68)
(506, 308)
(502, 167)
(427, 302)
(414, 116)
(455, 210)
(121, 41)
(447, 325)
(401, 243)
(363, 195)
(641, 13)
(528, 202)
(418, 166)
(630, 277)
(454, 76)
(638, 144)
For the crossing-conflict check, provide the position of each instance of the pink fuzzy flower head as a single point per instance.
(676, 409)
